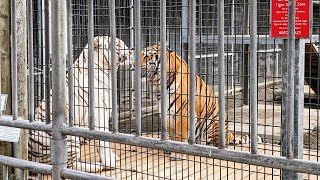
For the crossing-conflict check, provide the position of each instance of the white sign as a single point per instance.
(4, 98)
(10, 134)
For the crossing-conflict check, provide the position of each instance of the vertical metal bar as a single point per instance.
(232, 46)
(5, 172)
(91, 65)
(47, 61)
(163, 70)
(184, 28)
(132, 68)
(221, 72)
(113, 34)
(245, 83)
(22, 174)
(40, 176)
(30, 63)
(298, 108)
(14, 61)
(299, 102)
(276, 63)
(0, 81)
(290, 82)
(253, 76)
(59, 144)
(192, 62)
(137, 79)
(70, 64)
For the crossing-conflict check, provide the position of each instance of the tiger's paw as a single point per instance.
(177, 156)
(244, 139)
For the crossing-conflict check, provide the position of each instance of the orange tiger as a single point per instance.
(206, 102)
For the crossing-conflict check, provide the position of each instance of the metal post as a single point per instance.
(290, 78)
(59, 144)
(137, 79)
(184, 28)
(132, 68)
(163, 70)
(14, 61)
(298, 106)
(70, 64)
(47, 61)
(30, 63)
(253, 76)
(232, 46)
(91, 65)
(276, 63)
(0, 83)
(293, 96)
(221, 72)
(192, 62)
(245, 83)
(299, 101)
(5, 172)
(113, 65)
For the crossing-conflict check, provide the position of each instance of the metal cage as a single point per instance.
(93, 115)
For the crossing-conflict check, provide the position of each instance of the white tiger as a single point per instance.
(39, 143)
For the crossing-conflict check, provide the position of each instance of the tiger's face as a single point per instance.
(102, 45)
(150, 63)
(102, 52)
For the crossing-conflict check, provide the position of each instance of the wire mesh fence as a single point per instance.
(125, 159)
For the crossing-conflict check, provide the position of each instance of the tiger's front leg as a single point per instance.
(178, 131)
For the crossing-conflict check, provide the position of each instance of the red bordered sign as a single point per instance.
(279, 19)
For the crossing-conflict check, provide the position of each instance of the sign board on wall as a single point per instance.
(8, 134)
(279, 19)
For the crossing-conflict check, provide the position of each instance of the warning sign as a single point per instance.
(279, 19)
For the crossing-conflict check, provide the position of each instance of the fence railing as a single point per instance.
(59, 129)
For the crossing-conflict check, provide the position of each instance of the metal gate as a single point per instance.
(227, 58)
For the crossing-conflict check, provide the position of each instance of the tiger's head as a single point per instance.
(102, 52)
(102, 45)
(150, 62)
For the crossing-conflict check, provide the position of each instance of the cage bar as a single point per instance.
(163, 80)
(137, 79)
(59, 142)
(290, 78)
(113, 34)
(5, 173)
(47, 60)
(91, 66)
(14, 61)
(70, 63)
(72, 174)
(25, 165)
(192, 84)
(253, 76)
(264, 160)
(221, 70)
(30, 63)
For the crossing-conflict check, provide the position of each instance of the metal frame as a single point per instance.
(59, 130)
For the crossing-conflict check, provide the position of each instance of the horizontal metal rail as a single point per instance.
(244, 39)
(25, 165)
(47, 169)
(19, 123)
(73, 174)
(277, 162)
